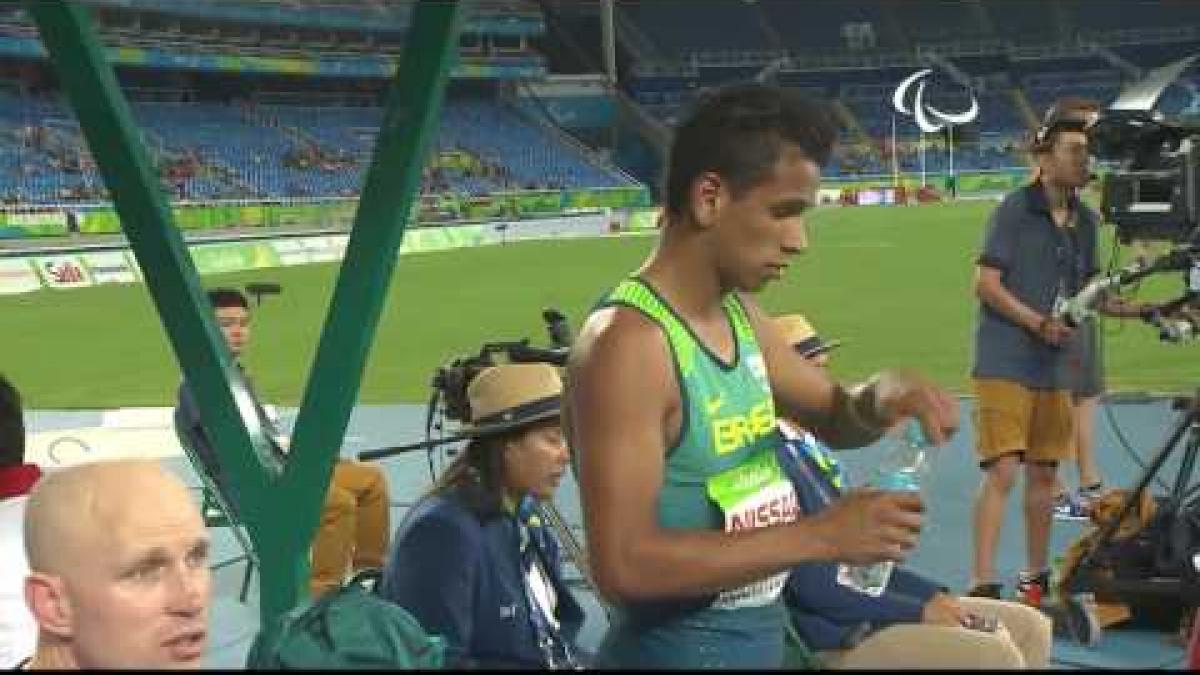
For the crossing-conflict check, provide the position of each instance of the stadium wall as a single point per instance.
(980, 183)
(22, 271)
(52, 221)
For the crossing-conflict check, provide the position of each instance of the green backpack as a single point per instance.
(796, 654)
(348, 628)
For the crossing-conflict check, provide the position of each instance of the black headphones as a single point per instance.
(1056, 121)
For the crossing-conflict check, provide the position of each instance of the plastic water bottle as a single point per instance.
(903, 467)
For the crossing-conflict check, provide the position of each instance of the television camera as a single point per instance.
(449, 383)
(1153, 192)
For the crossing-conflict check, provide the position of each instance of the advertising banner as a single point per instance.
(483, 207)
(992, 182)
(592, 225)
(36, 224)
(100, 221)
(233, 257)
(17, 276)
(110, 267)
(82, 269)
(62, 271)
(423, 240)
(52, 218)
(614, 198)
(538, 202)
(978, 183)
(328, 248)
(291, 251)
(643, 219)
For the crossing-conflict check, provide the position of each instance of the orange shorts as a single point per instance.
(1011, 418)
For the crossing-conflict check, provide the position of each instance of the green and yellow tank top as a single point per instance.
(722, 473)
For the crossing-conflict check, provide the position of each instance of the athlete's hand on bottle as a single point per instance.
(868, 525)
(902, 394)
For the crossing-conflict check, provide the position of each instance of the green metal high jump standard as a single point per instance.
(280, 507)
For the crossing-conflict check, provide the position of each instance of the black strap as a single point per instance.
(1071, 272)
(367, 578)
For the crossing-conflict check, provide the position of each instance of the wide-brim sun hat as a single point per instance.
(511, 396)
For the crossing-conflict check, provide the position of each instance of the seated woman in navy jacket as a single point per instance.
(914, 622)
(472, 560)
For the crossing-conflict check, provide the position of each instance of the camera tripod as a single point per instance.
(1181, 502)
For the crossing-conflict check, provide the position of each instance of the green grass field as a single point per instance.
(893, 282)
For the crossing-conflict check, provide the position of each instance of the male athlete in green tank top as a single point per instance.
(672, 390)
(722, 473)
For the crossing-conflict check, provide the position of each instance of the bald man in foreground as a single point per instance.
(119, 577)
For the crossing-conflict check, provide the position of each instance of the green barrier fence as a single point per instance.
(968, 183)
(484, 207)
(614, 198)
(337, 213)
(642, 219)
(441, 238)
(36, 224)
(233, 257)
(549, 201)
(982, 183)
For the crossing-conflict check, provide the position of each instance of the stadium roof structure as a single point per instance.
(326, 38)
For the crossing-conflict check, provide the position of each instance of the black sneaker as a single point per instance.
(989, 590)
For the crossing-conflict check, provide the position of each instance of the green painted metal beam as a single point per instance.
(106, 121)
(409, 124)
(281, 505)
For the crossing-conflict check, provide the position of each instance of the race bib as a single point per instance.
(751, 495)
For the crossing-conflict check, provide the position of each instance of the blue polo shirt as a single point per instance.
(1038, 262)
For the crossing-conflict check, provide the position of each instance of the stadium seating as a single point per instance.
(1018, 51)
(314, 149)
(219, 151)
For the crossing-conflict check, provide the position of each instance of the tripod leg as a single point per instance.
(1070, 582)
(1079, 614)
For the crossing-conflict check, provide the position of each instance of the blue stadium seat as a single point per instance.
(243, 150)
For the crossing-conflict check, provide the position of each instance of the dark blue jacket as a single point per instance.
(825, 614)
(464, 578)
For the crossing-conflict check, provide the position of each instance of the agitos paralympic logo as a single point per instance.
(929, 119)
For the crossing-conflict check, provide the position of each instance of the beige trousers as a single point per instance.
(1023, 640)
(354, 528)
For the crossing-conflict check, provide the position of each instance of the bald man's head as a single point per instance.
(118, 555)
(73, 510)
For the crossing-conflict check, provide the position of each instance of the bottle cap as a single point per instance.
(914, 435)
